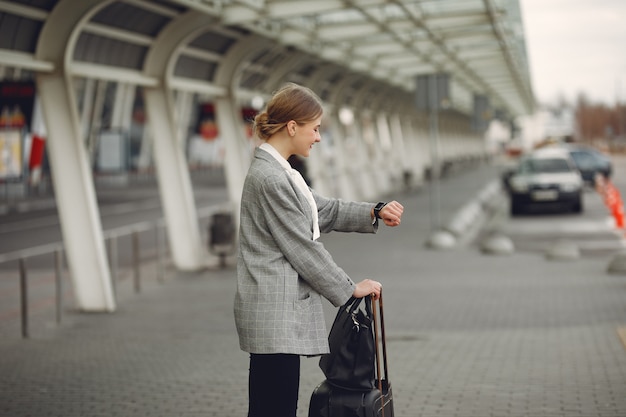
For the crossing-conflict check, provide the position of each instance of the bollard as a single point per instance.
(24, 297)
(58, 266)
(160, 272)
(113, 260)
(136, 262)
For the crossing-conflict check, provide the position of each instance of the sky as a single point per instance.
(574, 47)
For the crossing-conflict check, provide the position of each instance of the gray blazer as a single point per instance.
(281, 272)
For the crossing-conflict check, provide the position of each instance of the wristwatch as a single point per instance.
(377, 210)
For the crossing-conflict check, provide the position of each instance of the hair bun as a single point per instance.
(261, 125)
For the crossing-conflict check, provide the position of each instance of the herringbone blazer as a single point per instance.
(281, 272)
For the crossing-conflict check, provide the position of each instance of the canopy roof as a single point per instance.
(386, 43)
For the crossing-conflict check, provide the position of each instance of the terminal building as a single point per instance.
(119, 86)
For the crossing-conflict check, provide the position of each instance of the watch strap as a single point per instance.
(378, 208)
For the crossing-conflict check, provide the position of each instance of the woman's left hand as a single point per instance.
(391, 214)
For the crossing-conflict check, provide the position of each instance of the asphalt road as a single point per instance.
(593, 231)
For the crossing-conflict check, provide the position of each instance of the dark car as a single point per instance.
(590, 162)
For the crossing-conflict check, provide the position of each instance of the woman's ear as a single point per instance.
(291, 127)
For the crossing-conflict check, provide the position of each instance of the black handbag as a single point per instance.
(350, 363)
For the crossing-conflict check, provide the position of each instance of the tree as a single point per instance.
(598, 121)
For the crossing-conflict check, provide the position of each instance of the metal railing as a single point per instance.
(154, 237)
(21, 257)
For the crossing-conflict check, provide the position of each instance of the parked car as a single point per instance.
(590, 162)
(546, 177)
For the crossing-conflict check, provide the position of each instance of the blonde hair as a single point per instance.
(291, 102)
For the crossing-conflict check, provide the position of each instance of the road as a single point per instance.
(593, 231)
(118, 208)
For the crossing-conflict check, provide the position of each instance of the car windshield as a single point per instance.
(544, 165)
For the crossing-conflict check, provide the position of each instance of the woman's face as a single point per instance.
(306, 135)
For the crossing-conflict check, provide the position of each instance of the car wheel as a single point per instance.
(577, 207)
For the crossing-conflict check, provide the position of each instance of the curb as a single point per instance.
(469, 219)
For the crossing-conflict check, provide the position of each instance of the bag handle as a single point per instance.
(352, 304)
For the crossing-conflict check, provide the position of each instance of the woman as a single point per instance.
(282, 270)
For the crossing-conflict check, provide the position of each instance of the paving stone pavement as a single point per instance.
(469, 335)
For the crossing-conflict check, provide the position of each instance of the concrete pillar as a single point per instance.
(417, 153)
(389, 167)
(75, 194)
(236, 146)
(75, 197)
(362, 164)
(326, 165)
(188, 252)
(86, 110)
(343, 159)
(177, 199)
(123, 107)
(320, 164)
(400, 151)
(228, 112)
(183, 112)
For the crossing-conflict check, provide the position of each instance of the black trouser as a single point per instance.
(273, 385)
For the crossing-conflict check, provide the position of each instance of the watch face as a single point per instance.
(377, 209)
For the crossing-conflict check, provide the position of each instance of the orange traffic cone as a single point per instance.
(614, 202)
(618, 214)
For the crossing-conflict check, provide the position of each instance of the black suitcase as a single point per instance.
(328, 400)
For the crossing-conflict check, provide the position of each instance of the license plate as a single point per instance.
(545, 195)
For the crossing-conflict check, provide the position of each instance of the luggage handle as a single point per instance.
(382, 342)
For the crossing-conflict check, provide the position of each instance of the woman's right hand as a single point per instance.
(367, 287)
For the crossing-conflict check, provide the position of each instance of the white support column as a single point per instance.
(145, 151)
(418, 151)
(87, 108)
(75, 197)
(177, 199)
(343, 159)
(75, 194)
(389, 169)
(176, 193)
(321, 163)
(123, 107)
(237, 154)
(368, 160)
(355, 160)
(95, 123)
(400, 151)
(326, 161)
(184, 100)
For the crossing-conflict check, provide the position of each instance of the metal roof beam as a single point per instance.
(290, 8)
(348, 31)
(22, 10)
(24, 61)
(109, 73)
